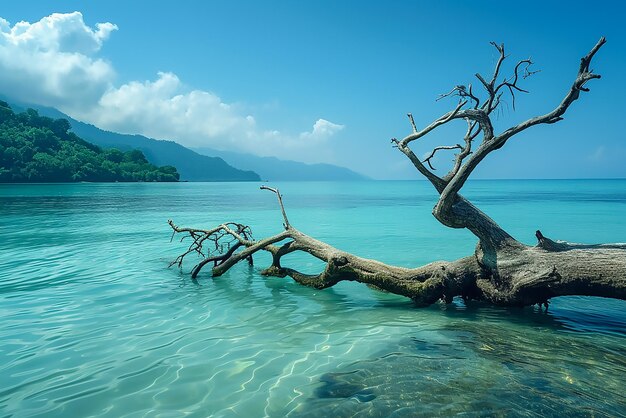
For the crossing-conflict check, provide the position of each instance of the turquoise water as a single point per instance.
(95, 324)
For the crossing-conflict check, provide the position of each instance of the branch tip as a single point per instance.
(286, 224)
(410, 116)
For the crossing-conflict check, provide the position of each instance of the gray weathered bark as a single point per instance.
(502, 270)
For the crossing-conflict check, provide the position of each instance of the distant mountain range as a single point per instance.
(202, 164)
(273, 169)
(191, 165)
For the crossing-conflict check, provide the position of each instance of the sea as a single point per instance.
(93, 323)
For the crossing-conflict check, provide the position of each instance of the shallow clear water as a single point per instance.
(95, 324)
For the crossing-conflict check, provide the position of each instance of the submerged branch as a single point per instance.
(513, 275)
(502, 270)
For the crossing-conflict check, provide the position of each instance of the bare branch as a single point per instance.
(439, 148)
(501, 59)
(449, 195)
(477, 115)
(216, 260)
(583, 76)
(247, 252)
(410, 115)
(512, 85)
(586, 60)
(467, 149)
(454, 91)
(226, 238)
(474, 98)
(462, 92)
(442, 120)
(493, 91)
(484, 83)
(434, 179)
(280, 202)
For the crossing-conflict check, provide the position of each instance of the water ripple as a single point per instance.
(95, 325)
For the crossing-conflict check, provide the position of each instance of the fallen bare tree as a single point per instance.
(502, 270)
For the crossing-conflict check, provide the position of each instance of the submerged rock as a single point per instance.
(339, 385)
(476, 367)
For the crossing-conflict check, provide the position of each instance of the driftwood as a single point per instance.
(502, 270)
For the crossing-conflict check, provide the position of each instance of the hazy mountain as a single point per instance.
(273, 169)
(191, 165)
(202, 164)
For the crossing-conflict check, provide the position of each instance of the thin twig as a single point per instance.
(439, 148)
(280, 202)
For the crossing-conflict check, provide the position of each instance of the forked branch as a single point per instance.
(502, 270)
(479, 121)
(440, 148)
(213, 245)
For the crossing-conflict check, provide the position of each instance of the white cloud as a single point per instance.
(52, 62)
(57, 33)
(46, 62)
(161, 109)
(322, 129)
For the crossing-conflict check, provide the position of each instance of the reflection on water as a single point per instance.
(94, 324)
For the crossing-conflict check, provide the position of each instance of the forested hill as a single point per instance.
(36, 148)
(191, 165)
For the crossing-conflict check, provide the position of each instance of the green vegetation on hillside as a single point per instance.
(191, 165)
(36, 148)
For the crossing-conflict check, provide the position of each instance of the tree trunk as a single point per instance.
(501, 271)
(515, 274)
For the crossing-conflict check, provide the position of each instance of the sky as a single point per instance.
(324, 81)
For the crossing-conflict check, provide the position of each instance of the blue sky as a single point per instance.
(324, 81)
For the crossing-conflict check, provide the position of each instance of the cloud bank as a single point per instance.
(53, 62)
(49, 62)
